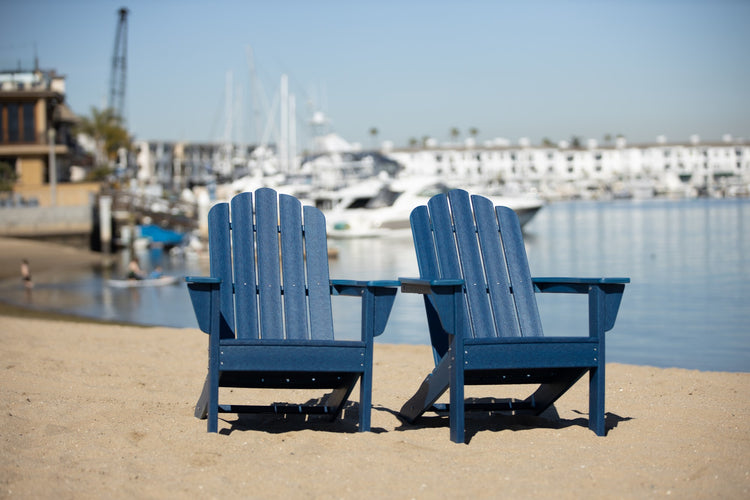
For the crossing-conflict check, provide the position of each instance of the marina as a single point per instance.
(685, 307)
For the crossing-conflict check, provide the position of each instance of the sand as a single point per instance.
(106, 411)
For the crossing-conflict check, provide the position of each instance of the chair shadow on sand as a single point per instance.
(478, 421)
(346, 423)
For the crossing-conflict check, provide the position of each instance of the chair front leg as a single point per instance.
(457, 413)
(597, 318)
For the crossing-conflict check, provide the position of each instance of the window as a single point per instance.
(29, 132)
(13, 131)
(17, 122)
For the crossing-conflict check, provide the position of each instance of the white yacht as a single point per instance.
(380, 207)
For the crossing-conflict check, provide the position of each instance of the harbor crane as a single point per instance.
(119, 65)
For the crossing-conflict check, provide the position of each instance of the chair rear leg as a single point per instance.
(548, 393)
(201, 407)
(433, 386)
(336, 399)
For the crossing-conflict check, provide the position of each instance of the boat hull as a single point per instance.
(161, 281)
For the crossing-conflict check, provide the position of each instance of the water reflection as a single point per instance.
(685, 306)
(689, 270)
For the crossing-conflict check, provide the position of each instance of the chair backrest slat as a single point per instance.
(220, 260)
(480, 313)
(496, 269)
(423, 243)
(445, 244)
(243, 262)
(295, 299)
(269, 272)
(520, 275)
(318, 282)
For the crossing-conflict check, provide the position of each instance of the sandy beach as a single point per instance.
(106, 411)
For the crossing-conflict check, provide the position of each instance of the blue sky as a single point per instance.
(536, 69)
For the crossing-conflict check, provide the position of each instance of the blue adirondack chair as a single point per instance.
(483, 319)
(267, 309)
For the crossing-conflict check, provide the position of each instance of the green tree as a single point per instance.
(108, 131)
(374, 134)
(8, 176)
(455, 133)
(474, 132)
(413, 142)
(547, 143)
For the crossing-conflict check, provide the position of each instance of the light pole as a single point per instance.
(52, 168)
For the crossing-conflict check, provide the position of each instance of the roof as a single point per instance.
(64, 114)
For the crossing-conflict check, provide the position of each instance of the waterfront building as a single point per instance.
(661, 168)
(36, 139)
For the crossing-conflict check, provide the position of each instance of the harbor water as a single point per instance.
(686, 305)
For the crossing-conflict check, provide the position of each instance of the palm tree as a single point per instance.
(109, 134)
(374, 134)
(413, 142)
(455, 133)
(474, 132)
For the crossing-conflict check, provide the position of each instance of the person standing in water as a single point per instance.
(134, 270)
(26, 274)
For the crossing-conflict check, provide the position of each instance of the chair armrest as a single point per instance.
(202, 279)
(575, 285)
(425, 286)
(356, 287)
(204, 296)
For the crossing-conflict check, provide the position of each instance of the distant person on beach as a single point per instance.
(134, 270)
(26, 274)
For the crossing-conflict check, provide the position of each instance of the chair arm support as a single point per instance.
(204, 295)
(377, 301)
(605, 295)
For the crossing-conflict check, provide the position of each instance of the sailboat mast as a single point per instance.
(284, 125)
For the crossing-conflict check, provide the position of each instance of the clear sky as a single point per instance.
(536, 69)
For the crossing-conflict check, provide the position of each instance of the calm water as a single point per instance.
(686, 305)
